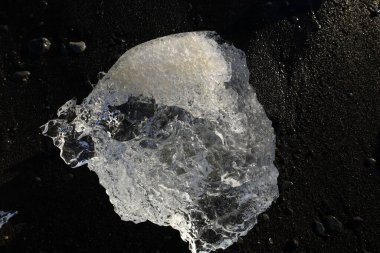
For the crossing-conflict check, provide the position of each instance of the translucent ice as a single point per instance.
(177, 137)
(5, 217)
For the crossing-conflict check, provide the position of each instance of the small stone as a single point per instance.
(270, 241)
(286, 185)
(4, 28)
(370, 162)
(265, 217)
(319, 229)
(44, 4)
(356, 222)
(38, 179)
(292, 245)
(333, 225)
(21, 76)
(268, 5)
(77, 47)
(39, 46)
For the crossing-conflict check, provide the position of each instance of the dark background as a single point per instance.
(317, 76)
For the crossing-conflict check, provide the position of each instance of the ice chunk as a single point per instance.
(176, 135)
(5, 217)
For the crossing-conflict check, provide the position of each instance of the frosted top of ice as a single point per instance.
(186, 71)
(176, 136)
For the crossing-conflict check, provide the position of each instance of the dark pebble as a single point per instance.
(265, 217)
(292, 245)
(286, 185)
(356, 222)
(77, 47)
(4, 28)
(319, 229)
(21, 76)
(370, 162)
(39, 46)
(333, 225)
(44, 4)
(268, 3)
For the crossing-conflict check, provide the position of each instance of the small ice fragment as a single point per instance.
(176, 135)
(5, 217)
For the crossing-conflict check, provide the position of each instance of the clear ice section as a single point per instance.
(5, 217)
(176, 135)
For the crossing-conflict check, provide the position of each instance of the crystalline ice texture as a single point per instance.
(5, 217)
(177, 137)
